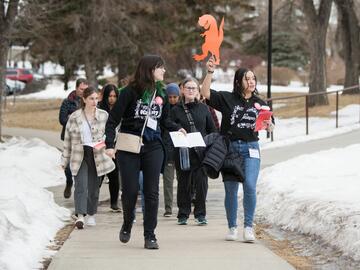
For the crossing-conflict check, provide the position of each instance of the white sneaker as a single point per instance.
(232, 234)
(249, 236)
(79, 223)
(91, 220)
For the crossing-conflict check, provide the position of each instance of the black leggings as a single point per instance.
(114, 185)
(150, 161)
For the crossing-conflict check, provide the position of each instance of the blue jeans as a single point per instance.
(251, 170)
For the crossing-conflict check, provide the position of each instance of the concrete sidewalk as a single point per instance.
(181, 247)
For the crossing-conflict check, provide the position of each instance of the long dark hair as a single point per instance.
(107, 89)
(144, 78)
(238, 78)
(87, 92)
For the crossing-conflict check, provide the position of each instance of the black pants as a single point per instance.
(68, 174)
(114, 185)
(186, 179)
(150, 161)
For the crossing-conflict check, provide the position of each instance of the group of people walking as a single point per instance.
(127, 134)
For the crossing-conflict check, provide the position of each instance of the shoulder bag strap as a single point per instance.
(148, 114)
(190, 118)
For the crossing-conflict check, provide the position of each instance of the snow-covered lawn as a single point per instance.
(316, 194)
(29, 217)
(292, 130)
(55, 89)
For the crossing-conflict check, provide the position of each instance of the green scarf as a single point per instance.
(160, 91)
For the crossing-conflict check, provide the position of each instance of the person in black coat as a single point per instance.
(68, 106)
(141, 106)
(173, 94)
(203, 123)
(110, 94)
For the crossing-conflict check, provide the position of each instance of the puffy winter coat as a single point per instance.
(218, 158)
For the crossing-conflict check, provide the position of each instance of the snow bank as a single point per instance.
(316, 194)
(29, 217)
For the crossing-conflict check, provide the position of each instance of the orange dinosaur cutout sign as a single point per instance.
(213, 38)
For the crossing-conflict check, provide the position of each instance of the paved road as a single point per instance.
(181, 247)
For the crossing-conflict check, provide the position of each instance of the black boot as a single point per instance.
(125, 234)
(67, 190)
(151, 244)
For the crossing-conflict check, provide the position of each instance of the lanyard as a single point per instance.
(87, 121)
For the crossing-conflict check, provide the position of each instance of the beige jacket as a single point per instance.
(73, 143)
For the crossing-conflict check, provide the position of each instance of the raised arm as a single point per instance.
(205, 87)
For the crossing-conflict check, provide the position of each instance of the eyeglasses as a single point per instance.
(191, 88)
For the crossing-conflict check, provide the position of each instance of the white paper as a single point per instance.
(151, 123)
(254, 153)
(193, 139)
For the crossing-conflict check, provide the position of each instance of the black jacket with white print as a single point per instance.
(131, 111)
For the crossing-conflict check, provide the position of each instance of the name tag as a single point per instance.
(254, 153)
(151, 123)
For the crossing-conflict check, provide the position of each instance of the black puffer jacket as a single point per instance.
(218, 158)
(68, 106)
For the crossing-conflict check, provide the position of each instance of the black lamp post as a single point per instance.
(269, 52)
(269, 61)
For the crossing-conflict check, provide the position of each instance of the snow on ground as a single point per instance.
(292, 88)
(292, 130)
(29, 217)
(316, 194)
(53, 90)
(56, 88)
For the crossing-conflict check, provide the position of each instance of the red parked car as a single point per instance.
(20, 74)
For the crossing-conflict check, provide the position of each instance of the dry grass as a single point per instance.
(284, 249)
(38, 114)
(296, 107)
(43, 114)
(61, 236)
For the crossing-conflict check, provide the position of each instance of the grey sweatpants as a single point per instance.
(168, 178)
(86, 194)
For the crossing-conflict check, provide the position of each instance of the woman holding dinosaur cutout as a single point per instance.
(240, 110)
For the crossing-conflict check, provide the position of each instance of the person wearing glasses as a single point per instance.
(193, 116)
(142, 103)
(239, 110)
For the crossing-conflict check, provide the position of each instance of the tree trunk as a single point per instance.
(90, 70)
(3, 56)
(122, 64)
(351, 43)
(317, 76)
(317, 22)
(6, 22)
(68, 72)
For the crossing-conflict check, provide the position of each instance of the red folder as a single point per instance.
(263, 115)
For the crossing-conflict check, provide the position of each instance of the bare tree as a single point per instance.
(317, 21)
(349, 35)
(8, 12)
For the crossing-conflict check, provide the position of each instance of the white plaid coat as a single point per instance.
(73, 143)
